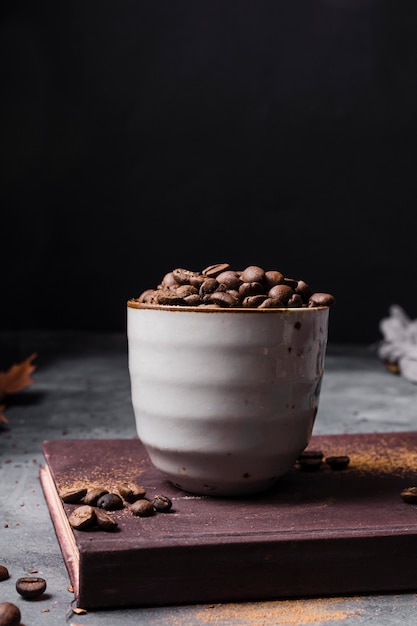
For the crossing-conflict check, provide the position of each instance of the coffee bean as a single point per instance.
(142, 508)
(321, 299)
(93, 494)
(73, 496)
(295, 301)
(105, 522)
(303, 289)
(4, 572)
(9, 614)
(131, 491)
(110, 502)
(214, 270)
(253, 302)
(218, 286)
(82, 517)
(281, 292)
(229, 279)
(311, 454)
(224, 299)
(272, 277)
(251, 289)
(253, 273)
(409, 495)
(183, 276)
(338, 462)
(310, 464)
(30, 586)
(161, 503)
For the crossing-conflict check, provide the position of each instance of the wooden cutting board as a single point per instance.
(320, 532)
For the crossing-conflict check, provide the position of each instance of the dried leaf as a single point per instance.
(3, 418)
(17, 377)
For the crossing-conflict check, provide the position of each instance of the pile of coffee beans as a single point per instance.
(220, 286)
(96, 501)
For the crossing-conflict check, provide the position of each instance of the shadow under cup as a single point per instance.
(225, 399)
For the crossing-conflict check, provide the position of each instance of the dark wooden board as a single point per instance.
(317, 533)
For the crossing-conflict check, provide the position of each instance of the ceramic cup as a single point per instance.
(225, 399)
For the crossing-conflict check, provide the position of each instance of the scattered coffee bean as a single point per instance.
(96, 500)
(4, 572)
(142, 508)
(161, 503)
(9, 614)
(74, 496)
(30, 586)
(105, 522)
(110, 502)
(93, 494)
(310, 464)
(219, 286)
(409, 495)
(131, 491)
(311, 454)
(82, 517)
(338, 462)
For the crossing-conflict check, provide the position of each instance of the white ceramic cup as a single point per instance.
(225, 399)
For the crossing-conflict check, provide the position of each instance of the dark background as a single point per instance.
(139, 136)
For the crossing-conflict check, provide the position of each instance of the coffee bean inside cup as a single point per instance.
(219, 286)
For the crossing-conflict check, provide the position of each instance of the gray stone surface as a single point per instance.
(82, 389)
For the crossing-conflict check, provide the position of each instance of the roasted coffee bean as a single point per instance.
(167, 297)
(73, 496)
(253, 274)
(192, 300)
(310, 464)
(303, 290)
(409, 495)
(161, 503)
(253, 302)
(9, 614)
(311, 454)
(230, 279)
(147, 296)
(295, 301)
(272, 278)
(142, 508)
(82, 517)
(251, 289)
(93, 494)
(214, 270)
(321, 299)
(224, 299)
(110, 502)
(208, 286)
(105, 522)
(281, 292)
(183, 276)
(30, 586)
(131, 491)
(338, 462)
(4, 573)
(169, 280)
(185, 291)
(183, 287)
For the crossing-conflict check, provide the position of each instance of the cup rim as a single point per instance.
(133, 303)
